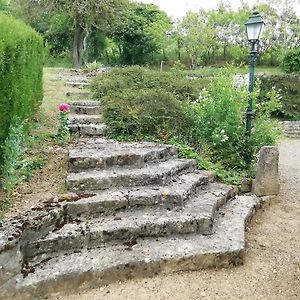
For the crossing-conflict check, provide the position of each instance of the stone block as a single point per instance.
(267, 177)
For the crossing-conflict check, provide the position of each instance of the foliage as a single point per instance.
(13, 152)
(144, 104)
(140, 32)
(291, 61)
(289, 87)
(126, 32)
(133, 79)
(21, 59)
(63, 133)
(84, 15)
(5, 6)
(17, 165)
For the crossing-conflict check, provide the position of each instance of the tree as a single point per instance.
(140, 32)
(85, 14)
(197, 36)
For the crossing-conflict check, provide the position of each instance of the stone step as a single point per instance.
(101, 153)
(79, 85)
(160, 173)
(85, 110)
(168, 197)
(296, 136)
(120, 261)
(78, 94)
(292, 130)
(84, 102)
(196, 215)
(85, 119)
(89, 129)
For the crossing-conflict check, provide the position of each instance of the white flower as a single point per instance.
(224, 138)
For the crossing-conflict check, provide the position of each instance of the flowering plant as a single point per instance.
(63, 133)
(64, 107)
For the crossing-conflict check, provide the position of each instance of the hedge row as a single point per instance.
(289, 87)
(21, 60)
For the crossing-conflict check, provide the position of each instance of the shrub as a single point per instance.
(291, 61)
(206, 124)
(21, 57)
(289, 87)
(148, 112)
(18, 166)
(135, 78)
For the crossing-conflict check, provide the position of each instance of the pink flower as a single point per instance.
(64, 107)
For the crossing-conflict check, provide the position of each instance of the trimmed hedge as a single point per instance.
(289, 87)
(21, 73)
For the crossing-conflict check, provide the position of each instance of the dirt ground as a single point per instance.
(272, 266)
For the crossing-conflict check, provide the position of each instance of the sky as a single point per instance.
(178, 8)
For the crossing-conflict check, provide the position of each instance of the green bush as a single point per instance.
(289, 87)
(147, 112)
(207, 124)
(291, 61)
(135, 78)
(21, 58)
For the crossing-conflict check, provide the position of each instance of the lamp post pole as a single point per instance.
(254, 29)
(250, 113)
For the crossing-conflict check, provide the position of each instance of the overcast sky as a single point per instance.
(178, 8)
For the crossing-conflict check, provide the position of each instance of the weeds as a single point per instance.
(18, 165)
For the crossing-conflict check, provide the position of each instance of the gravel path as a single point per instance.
(272, 266)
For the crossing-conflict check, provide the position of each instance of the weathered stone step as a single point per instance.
(100, 154)
(79, 85)
(84, 102)
(196, 215)
(143, 257)
(85, 119)
(160, 173)
(89, 129)
(107, 202)
(293, 136)
(78, 94)
(85, 109)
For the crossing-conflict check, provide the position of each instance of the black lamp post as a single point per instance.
(254, 28)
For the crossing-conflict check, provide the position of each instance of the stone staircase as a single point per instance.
(133, 210)
(85, 119)
(291, 129)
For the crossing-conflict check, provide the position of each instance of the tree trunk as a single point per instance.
(78, 42)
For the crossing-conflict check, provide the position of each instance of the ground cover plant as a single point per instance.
(203, 117)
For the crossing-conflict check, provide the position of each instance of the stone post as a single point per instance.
(267, 177)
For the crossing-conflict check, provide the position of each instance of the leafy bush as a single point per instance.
(289, 87)
(220, 113)
(17, 165)
(21, 58)
(291, 61)
(135, 78)
(149, 112)
(205, 124)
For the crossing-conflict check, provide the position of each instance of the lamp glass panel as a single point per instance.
(254, 30)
